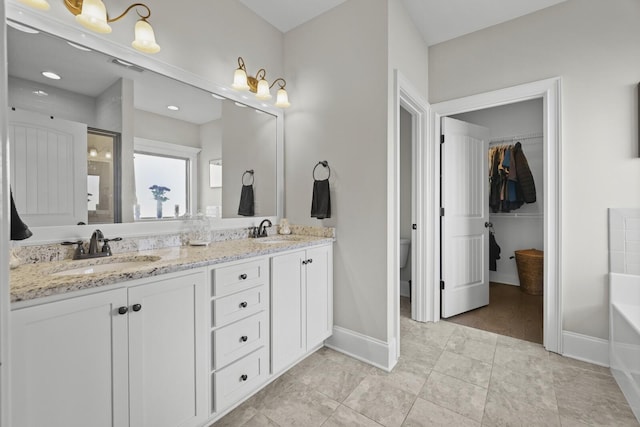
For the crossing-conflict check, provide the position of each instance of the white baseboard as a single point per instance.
(504, 278)
(405, 288)
(586, 348)
(362, 347)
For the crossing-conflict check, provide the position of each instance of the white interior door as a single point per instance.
(48, 159)
(465, 238)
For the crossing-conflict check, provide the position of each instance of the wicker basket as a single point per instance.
(530, 264)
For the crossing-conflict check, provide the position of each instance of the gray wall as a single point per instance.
(593, 46)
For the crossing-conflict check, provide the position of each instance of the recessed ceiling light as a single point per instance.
(241, 105)
(216, 96)
(121, 62)
(51, 75)
(22, 28)
(245, 97)
(40, 93)
(77, 46)
(173, 107)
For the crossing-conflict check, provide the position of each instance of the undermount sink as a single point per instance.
(278, 239)
(108, 266)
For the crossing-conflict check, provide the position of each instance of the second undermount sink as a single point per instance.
(108, 265)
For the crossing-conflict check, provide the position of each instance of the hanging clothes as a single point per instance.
(510, 179)
(494, 252)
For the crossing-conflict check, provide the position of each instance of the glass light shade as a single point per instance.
(263, 90)
(240, 80)
(37, 4)
(93, 152)
(282, 99)
(145, 38)
(94, 16)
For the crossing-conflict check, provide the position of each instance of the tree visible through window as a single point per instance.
(170, 172)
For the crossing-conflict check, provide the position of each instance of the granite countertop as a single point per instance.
(31, 281)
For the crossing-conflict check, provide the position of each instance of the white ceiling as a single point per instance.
(437, 20)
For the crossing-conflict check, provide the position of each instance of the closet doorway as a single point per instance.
(489, 215)
(549, 90)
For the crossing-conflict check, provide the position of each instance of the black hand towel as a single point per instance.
(246, 201)
(321, 201)
(19, 230)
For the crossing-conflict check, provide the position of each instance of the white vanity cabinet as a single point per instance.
(132, 356)
(301, 303)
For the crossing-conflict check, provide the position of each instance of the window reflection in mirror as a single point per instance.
(103, 177)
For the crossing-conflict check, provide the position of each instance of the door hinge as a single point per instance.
(441, 211)
(441, 284)
(441, 139)
(414, 226)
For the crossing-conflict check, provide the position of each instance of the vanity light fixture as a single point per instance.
(93, 152)
(92, 14)
(259, 85)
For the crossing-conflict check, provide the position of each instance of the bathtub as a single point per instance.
(624, 333)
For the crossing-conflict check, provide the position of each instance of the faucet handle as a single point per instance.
(106, 248)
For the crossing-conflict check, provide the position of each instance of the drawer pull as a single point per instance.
(243, 276)
(243, 304)
(243, 377)
(244, 338)
(123, 310)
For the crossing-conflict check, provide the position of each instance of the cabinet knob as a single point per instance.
(243, 377)
(243, 304)
(243, 276)
(136, 307)
(304, 262)
(123, 310)
(244, 338)
(310, 260)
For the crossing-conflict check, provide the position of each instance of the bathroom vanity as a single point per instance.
(176, 340)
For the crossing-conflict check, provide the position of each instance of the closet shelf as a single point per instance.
(515, 215)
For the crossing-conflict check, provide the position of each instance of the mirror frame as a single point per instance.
(55, 234)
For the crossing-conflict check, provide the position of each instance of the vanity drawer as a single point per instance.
(239, 339)
(238, 277)
(237, 306)
(238, 380)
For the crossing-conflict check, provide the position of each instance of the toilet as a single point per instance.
(405, 285)
(405, 244)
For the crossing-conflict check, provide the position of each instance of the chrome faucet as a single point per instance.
(96, 237)
(262, 228)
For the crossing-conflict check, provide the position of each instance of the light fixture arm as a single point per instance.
(75, 7)
(127, 10)
(281, 82)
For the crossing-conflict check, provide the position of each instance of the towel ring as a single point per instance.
(250, 172)
(323, 163)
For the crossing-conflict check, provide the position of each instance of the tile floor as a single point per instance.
(510, 312)
(447, 375)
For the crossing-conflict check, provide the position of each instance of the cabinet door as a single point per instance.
(167, 352)
(69, 363)
(288, 338)
(319, 300)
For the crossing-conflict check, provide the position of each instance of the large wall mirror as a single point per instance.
(103, 141)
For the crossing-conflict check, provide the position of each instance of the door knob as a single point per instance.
(488, 225)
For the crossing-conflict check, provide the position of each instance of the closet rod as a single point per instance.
(516, 138)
